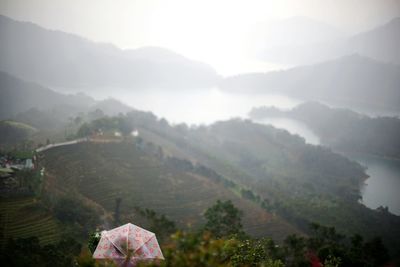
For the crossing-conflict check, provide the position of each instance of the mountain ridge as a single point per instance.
(56, 58)
(350, 80)
(380, 43)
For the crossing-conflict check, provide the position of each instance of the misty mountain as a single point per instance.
(111, 107)
(12, 132)
(343, 129)
(380, 43)
(351, 81)
(295, 31)
(43, 108)
(55, 58)
(18, 96)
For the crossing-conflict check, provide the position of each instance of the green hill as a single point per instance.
(12, 132)
(104, 172)
(23, 217)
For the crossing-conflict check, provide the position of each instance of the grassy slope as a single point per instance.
(12, 132)
(19, 125)
(22, 217)
(103, 172)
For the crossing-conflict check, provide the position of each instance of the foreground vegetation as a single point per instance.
(220, 242)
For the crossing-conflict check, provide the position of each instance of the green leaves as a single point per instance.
(223, 219)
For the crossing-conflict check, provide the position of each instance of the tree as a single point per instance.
(73, 211)
(95, 114)
(78, 120)
(29, 252)
(158, 223)
(118, 201)
(85, 130)
(125, 126)
(223, 219)
(295, 250)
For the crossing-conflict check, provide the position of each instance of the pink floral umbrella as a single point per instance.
(128, 244)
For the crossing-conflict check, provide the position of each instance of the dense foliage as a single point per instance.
(29, 252)
(72, 211)
(223, 219)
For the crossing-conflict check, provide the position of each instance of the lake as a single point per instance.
(383, 185)
(200, 106)
(382, 188)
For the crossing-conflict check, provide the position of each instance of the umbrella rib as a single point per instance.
(147, 241)
(117, 247)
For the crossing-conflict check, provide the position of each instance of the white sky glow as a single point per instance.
(213, 31)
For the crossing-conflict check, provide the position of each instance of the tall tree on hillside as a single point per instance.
(117, 212)
(223, 219)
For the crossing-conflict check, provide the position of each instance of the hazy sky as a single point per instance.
(208, 30)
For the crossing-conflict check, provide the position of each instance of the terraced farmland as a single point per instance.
(21, 218)
(104, 172)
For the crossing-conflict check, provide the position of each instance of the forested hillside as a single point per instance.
(300, 182)
(344, 129)
(139, 175)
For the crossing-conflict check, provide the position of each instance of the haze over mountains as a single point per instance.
(156, 138)
(41, 107)
(64, 61)
(343, 129)
(380, 43)
(350, 81)
(291, 32)
(55, 58)
(18, 96)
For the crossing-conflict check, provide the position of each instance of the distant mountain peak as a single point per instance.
(56, 58)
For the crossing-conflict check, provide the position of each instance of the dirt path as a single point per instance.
(76, 141)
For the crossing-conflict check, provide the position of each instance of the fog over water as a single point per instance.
(202, 106)
(294, 127)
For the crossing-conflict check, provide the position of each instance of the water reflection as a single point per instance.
(382, 188)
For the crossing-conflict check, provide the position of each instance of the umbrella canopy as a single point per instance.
(128, 243)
